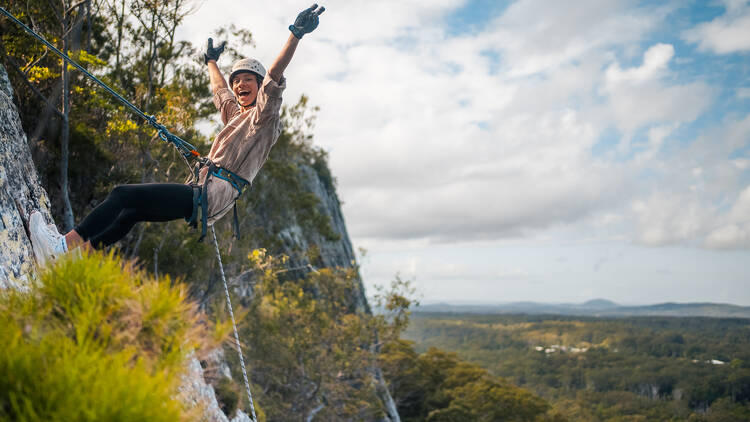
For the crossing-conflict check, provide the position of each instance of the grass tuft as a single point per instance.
(97, 339)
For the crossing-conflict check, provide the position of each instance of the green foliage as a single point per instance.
(228, 395)
(437, 386)
(94, 339)
(395, 304)
(649, 368)
(308, 345)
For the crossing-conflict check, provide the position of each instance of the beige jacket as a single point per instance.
(244, 143)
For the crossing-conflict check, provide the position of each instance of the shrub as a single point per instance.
(96, 339)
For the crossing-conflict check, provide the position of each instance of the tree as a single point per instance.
(437, 386)
(309, 347)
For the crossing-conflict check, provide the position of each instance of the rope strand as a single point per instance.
(234, 325)
(185, 148)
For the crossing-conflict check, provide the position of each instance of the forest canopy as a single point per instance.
(600, 369)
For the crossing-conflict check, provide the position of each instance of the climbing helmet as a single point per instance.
(247, 65)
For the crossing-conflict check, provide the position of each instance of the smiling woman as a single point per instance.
(245, 88)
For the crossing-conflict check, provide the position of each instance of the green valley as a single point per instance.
(606, 369)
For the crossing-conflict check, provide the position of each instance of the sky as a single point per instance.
(501, 151)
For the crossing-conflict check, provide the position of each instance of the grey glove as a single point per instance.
(306, 21)
(213, 53)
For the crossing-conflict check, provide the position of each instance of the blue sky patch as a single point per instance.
(474, 16)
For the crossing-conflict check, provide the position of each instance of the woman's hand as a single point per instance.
(213, 53)
(306, 21)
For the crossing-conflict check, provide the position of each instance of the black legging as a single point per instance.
(126, 205)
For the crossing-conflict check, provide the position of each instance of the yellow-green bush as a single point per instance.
(309, 347)
(95, 339)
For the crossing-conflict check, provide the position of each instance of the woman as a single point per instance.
(250, 110)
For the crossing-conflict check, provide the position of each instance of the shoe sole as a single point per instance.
(38, 244)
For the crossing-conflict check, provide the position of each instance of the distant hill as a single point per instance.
(595, 307)
(599, 304)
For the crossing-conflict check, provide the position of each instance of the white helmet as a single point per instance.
(247, 65)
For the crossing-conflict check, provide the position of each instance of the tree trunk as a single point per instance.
(385, 396)
(68, 219)
(314, 411)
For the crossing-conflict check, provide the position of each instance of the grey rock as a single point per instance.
(20, 192)
(333, 253)
(5, 86)
(197, 393)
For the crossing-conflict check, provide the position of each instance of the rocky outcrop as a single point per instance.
(333, 253)
(294, 240)
(20, 192)
(197, 393)
(336, 253)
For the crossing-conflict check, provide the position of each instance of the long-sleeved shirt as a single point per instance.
(244, 143)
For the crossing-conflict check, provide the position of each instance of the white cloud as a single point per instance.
(638, 97)
(535, 172)
(670, 218)
(656, 138)
(741, 163)
(456, 151)
(655, 61)
(539, 36)
(435, 137)
(735, 231)
(698, 197)
(725, 34)
(731, 236)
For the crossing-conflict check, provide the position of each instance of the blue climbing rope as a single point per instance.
(185, 148)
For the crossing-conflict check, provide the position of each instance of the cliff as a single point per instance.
(20, 191)
(332, 246)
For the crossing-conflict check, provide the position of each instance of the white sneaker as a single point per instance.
(48, 244)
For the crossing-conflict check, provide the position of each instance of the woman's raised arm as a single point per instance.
(305, 23)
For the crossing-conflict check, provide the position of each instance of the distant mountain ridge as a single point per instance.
(595, 307)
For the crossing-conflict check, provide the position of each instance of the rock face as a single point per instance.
(196, 392)
(295, 240)
(336, 253)
(20, 192)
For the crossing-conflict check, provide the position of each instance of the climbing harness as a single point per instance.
(234, 325)
(199, 192)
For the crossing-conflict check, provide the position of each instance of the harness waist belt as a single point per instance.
(200, 196)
